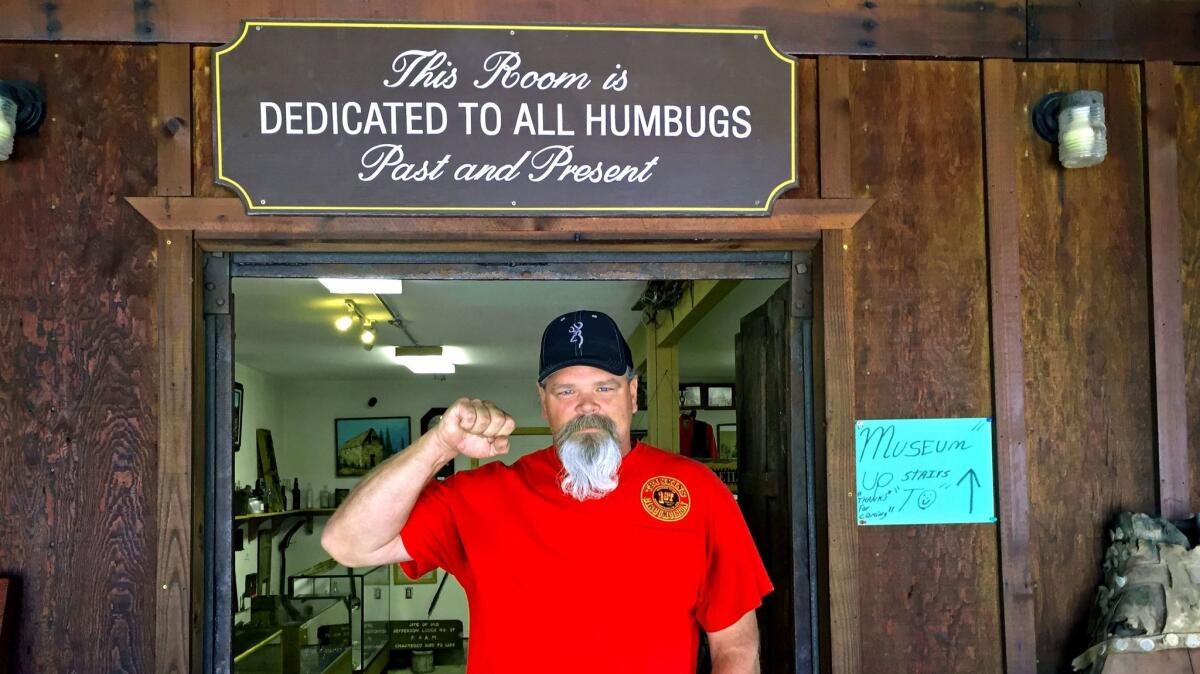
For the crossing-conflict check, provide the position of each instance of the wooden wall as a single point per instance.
(78, 403)
(78, 363)
(1187, 96)
(1089, 392)
(928, 595)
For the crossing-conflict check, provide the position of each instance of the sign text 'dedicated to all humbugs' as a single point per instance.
(340, 117)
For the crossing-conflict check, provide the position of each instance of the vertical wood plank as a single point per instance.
(808, 177)
(78, 362)
(928, 595)
(1187, 91)
(999, 96)
(837, 297)
(199, 429)
(203, 172)
(833, 110)
(1088, 394)
(5, 626)
(175, 334)
(1166, 284)
(174, 121)
(662, 392)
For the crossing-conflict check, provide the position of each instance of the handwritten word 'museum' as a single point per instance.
(880, 443)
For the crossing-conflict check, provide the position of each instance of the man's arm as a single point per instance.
(735, 648)
(365, 530)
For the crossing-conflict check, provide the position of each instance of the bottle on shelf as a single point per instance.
(326, 498)
(306, 497)
(257, 504)
(296, 505)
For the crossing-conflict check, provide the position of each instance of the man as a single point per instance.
(591, 556)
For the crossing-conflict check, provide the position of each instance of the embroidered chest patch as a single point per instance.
(666, 499)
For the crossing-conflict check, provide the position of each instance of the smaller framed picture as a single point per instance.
(339, 495)
(690, 395)
(719, 397)
(238, 393)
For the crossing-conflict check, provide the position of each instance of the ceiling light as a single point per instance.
(454, 354)
(429, 359)
(363, 286)
(427, 364)
(353, 315)
(368, 335)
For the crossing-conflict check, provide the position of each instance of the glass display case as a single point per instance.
(292, 635)
(367, 593)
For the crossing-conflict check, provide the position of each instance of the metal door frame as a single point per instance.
(219, 268)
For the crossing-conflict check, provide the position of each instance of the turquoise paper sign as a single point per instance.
(924, 471)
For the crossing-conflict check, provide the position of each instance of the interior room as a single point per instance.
(326, 388)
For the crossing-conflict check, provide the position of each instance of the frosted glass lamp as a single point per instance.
(1075, 122)
(22, 108)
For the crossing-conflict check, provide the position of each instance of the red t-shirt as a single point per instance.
(617, 585)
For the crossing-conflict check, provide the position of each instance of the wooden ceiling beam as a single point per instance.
(907, 27)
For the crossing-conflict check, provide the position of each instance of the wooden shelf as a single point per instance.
(274, 521)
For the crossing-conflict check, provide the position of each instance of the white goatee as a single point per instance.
(590, 458)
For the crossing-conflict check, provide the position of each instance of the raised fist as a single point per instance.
(475, 428)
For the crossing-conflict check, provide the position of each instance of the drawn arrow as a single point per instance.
(972, 484)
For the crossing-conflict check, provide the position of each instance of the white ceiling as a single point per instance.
(284, 327)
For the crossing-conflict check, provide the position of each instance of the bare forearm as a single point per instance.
(743, 662)
(360, 532)
(735, 648)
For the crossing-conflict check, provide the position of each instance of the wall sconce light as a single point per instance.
(1075, 122)
(22, 109)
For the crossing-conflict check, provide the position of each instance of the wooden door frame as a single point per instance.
(180, 569)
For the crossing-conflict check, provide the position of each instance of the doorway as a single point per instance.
(772, 394)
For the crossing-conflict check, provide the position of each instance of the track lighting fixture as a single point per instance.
(353, 315)
(368, 335)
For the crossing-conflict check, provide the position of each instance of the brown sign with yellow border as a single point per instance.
(406, 119)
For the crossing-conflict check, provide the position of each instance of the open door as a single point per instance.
(775, 458)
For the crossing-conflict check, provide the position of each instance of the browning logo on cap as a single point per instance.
(666, 498)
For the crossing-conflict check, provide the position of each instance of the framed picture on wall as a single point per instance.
(362, 443)
(727, 441)
(401, 578)
(690, 396)
(238, 393)
(719, 397)
(428, 421)
(706, 396)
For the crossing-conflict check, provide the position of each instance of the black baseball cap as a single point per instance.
(584, 337)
